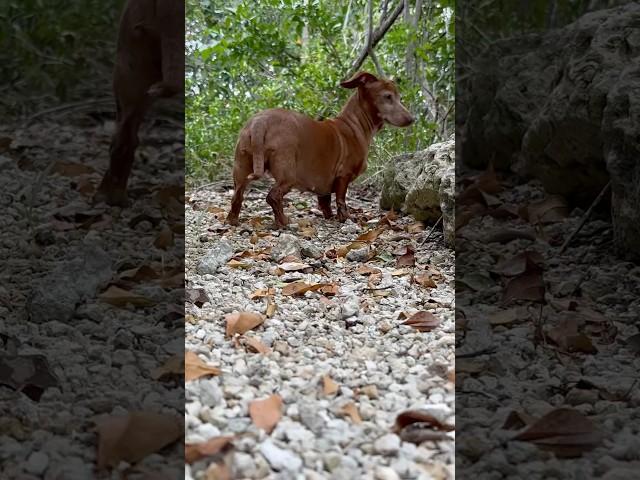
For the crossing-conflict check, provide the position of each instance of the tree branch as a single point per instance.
(377, 35)
(372, 55)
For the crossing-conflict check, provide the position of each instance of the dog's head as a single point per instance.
(383, 96)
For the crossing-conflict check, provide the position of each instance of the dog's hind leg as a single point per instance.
(241, 178)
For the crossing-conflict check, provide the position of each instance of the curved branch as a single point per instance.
(377, 35)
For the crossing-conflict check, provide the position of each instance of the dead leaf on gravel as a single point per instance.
(351, 410)
(371, 235)
(294, 266)
(132, 437)
(507, 317)
(271, 308)
(172, 369)
(263, 292)
(527, 286)
(197, 451)
(564, 431)
(143, 273)
(423, 321)
(300, 288)
(242, 322)
(517, 420)
(256, 345)
(408, 259)
(399, 272)
(518, 264)
(121, 298)
(550, 210)
(409, 417)
(367, 270)
(425, 280)
(266, 413)
(164, 239)
(329, 387)
(215, 210)
(416, 227)
(195, 368)
(233, 263)
(197, 296)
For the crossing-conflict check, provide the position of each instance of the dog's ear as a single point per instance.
(360, 78)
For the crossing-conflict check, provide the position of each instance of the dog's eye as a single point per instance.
(388, 96)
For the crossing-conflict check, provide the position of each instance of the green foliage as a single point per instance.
(55, 50)
(244, 56)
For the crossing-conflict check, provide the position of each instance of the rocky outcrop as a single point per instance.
(564, 107)
(422, 184)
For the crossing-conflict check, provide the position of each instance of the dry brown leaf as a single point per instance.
(197, 451)
(143, 273)
(294, 266)
(329, 289)
(172, 369)
(351, 410)
(408, 259)
(233, 263)
(550, 210)
(300, 288)
(263, 292)
(367, 270)
(164, 239)
(409, 417)
(266, 413)
(425, 280)
(423, 321)
(400, 272)
(121, 298)
(271, 309)
(371, 235)
(329, 386)
(518, 264)
(564, 431)
(415, 227)
(132, 437)
(242, 322)
(257, 346)
(195, 368)
(527, 286)
(216, 210)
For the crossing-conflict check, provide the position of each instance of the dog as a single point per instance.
(322, 157)
(149, 65)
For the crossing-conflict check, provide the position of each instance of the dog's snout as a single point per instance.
(410, 120)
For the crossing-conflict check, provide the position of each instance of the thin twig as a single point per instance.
(431, 231)
(585, 217)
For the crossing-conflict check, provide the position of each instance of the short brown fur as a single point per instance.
(322, 157)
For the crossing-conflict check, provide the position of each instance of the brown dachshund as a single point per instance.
(149, 64)
(322, 157)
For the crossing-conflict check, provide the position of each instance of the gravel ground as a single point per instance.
(329, 350)
(523, 359)
(88, 354)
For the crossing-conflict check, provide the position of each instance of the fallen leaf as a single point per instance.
(550, 210)
(294, 266)
(133, 436)
(527, 286)
(367, 270)
(266, 413)
(409, 417)
(233, 263)
(518, 264)
(263, 292)
(172, 369)
(143, 273)
(399, 272)
(507, 317)
(517, 420)
(257, 346)
(408, 259)
(197, 296)
(300, 288)
(423, 321)
(371, 235)
(215, 210)
(195, 368)
(197, 451)
(351, 410)
(425, 280)
(121, 298)
(164, 239)
(564, 431)
(271, 309)
(242, 322)
(329, 387)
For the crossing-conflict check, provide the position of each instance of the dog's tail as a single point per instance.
(258, 131)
